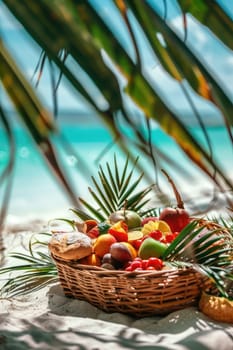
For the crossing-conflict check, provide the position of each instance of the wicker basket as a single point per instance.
(141, 293)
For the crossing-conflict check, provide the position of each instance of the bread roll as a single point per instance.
(218, 308)
(70, 245)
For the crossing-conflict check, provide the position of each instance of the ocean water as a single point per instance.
(35, 193)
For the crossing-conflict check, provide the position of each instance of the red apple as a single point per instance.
(176, 218)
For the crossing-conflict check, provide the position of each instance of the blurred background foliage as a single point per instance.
(86, 50)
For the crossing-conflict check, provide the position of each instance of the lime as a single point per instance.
(134, 235)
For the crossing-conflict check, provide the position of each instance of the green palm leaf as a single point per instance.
(87, 48)
(211, 14)
(115, 190)
(34, 115)
(37, 273)
(108, 184)
(209, 252)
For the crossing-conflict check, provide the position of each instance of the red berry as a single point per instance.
(144, 264)
(155, 262)
(150, 268)
(169, 237)
(128, 268)
(136, 264)
(157, 234)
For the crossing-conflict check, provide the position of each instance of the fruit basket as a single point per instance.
(135, 293)
(128, 259)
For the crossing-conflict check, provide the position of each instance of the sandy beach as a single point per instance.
(46, 319)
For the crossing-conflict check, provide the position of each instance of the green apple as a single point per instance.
(130, 217)
(151, 248)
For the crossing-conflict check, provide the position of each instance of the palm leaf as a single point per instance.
(31, 283)
(33, 276)
(217, 275)
(211, 14)
(37, 19)
(37, 119)
(109, 186)
(83, 215)
(33, 271)
(101, 198)
(208, 252)
(138, 87)
(116, 190)
(136, 202)
(95, 212)
(123, 179)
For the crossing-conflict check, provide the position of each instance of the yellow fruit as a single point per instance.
(134, 235)
(155, 225)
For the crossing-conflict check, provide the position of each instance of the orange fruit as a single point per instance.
(103, 243)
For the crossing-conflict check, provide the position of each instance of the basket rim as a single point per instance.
(143, 273)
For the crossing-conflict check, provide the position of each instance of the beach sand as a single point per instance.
(46, 319)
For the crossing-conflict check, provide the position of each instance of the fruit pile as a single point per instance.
(127, 241)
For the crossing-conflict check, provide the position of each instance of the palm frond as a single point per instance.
(83, 215)
(32, 276)
(30, 283)
(114, 190)
(149, 212)
(209, 251)
(34, 269)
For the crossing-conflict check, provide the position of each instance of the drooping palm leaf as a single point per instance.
(182, 59)
(79, 19)
(138, 87)
(30, 19)
(211, 14)
(34, 115)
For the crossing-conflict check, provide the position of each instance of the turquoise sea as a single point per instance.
(35, 194)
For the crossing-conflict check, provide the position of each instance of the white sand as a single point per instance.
(48, 320)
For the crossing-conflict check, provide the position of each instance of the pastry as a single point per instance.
(70, 245)
(218, 308)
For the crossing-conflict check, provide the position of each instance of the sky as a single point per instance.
(16, 39)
